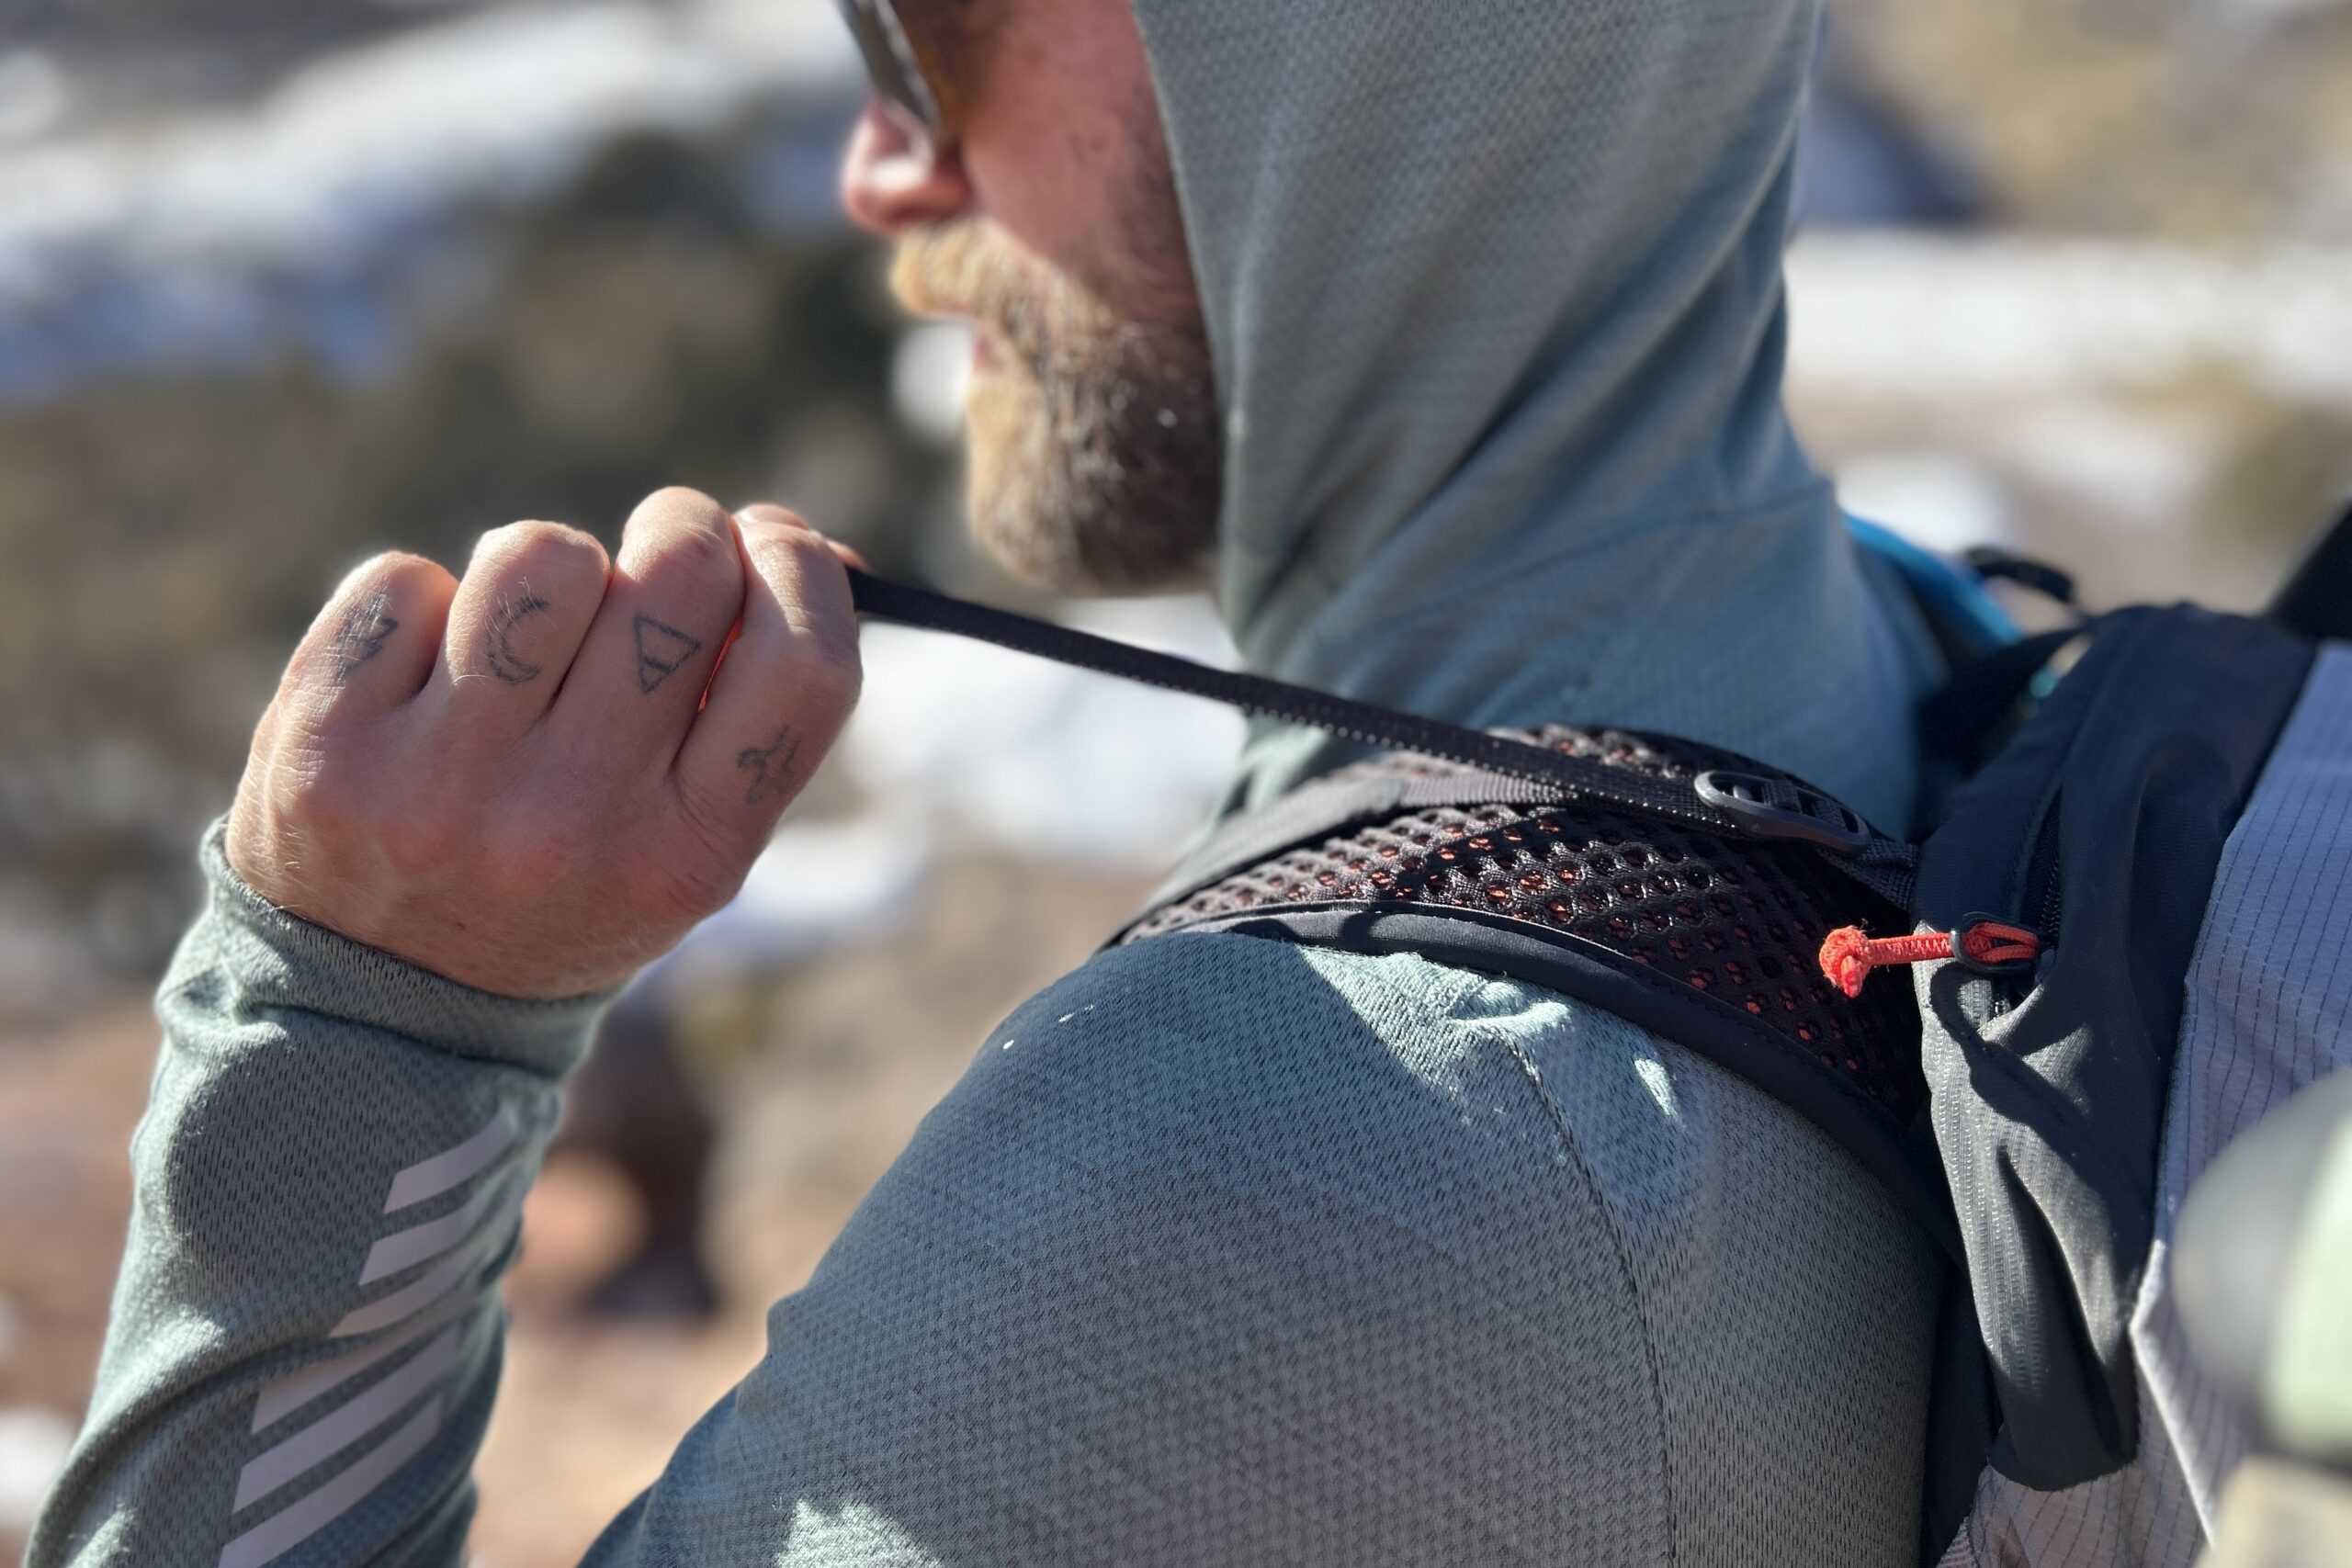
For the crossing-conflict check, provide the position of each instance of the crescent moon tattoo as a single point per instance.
(498, 646)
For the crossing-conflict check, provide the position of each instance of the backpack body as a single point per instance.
(2177, 822)
(2172, 823)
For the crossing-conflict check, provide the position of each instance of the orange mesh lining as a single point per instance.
(1740, 921)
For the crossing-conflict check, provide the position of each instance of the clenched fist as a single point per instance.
(536, 780)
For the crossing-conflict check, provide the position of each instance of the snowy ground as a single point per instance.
(305, 214)
(1963, 319)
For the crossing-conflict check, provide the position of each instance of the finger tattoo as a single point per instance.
(770, 767)
(498, 644)
(660, 650)
(361, 636)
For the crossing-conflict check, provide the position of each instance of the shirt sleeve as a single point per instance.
(305, 1335)
(1223, 1251)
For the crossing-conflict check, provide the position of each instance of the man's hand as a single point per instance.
(517, 781)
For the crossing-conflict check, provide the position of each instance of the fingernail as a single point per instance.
(772, 515)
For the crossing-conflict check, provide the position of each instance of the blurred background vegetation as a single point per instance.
(283, 285)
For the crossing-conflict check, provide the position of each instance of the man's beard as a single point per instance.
(1096, 457)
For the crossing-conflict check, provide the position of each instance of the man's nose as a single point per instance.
(894, 180)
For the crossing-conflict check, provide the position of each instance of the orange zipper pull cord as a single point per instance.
(1988, 947)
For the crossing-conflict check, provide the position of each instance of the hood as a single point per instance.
(1493, 291)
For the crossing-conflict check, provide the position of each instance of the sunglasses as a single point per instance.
(907, 83)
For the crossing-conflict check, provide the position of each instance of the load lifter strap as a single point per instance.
(1735, 804)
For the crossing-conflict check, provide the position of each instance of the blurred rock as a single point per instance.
(313, 216)
(33, 94)
(2207, 121)
(1866, 159)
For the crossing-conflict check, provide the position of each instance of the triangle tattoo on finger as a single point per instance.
(660, 650)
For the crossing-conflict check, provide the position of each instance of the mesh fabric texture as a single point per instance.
(1738, 920)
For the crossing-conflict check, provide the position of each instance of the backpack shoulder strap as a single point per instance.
(1682, 888)
(1704, 939)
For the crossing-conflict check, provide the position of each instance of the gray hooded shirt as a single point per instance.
(1224, 1251)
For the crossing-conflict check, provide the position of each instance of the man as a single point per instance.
(1448, 338)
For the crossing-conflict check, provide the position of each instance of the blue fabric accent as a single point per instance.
(1950, 595)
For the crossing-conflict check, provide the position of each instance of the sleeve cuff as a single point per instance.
(279, 960)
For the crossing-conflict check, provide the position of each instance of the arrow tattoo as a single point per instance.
(770, 767)
(361, 636)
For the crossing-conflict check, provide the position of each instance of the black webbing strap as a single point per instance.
(1884, 866)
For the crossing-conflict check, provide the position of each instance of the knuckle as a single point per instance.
(374, 596)
(550, 855)
(548, 548)
(709, 869)
(420, 837)
(703, 557)
(434, 832)
(401, 578)
(319, 786)
(811, 587)
(714, 823)
(392, 568)
(683, 507)
(796, 552)
(831, 682)
(698, 886)
(686, 533)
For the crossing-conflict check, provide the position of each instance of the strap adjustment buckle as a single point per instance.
(1772, 807)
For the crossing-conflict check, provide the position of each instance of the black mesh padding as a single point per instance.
(1740, 922)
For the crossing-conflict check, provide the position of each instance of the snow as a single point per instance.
(1917, 317)
(1040, 759)
(1937, 500)
(959, 746)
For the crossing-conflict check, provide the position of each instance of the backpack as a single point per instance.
(2117, 946)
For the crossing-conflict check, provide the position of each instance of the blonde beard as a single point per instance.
(1095, 464)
